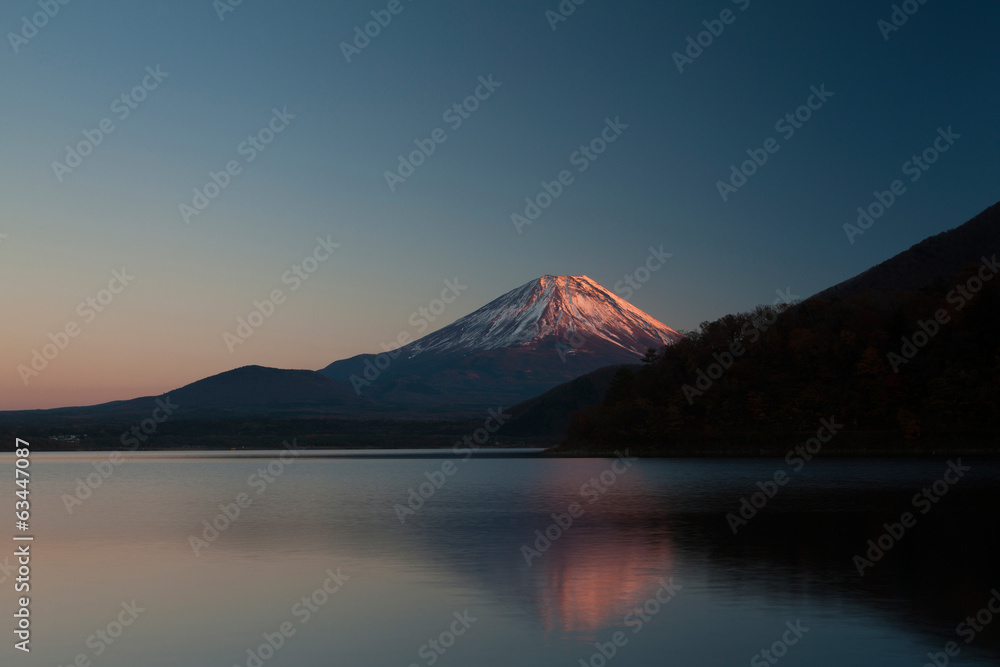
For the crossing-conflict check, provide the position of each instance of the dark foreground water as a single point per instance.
(317, 569)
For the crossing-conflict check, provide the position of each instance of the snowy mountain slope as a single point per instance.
(548, 331)
(563, 307)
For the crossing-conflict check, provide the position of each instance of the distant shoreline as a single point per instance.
(499, 452)
(715, 451)
(854, 444)
(401, 437)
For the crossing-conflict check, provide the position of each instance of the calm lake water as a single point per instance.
(649, 560)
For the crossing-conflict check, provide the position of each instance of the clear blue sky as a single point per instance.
(324, 174)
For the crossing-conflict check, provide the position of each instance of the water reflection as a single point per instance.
(464, 548)
(670, 520)
(587, 585)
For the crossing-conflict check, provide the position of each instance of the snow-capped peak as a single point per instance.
(559, 308)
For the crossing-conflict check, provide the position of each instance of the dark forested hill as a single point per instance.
(906, 356)
(940, 256)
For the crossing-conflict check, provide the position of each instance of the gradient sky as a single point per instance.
(324, 174)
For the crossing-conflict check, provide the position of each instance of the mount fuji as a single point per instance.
(546, 332)
(540, 335)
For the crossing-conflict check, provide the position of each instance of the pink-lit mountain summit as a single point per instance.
(546, 332)
(551, 310)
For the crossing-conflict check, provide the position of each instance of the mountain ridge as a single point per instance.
(940, 256)
(545, 332)
(519, 345)
(549, 297)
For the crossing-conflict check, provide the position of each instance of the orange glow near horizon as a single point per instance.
(126, 360)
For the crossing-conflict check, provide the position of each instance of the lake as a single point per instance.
(372, 560)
